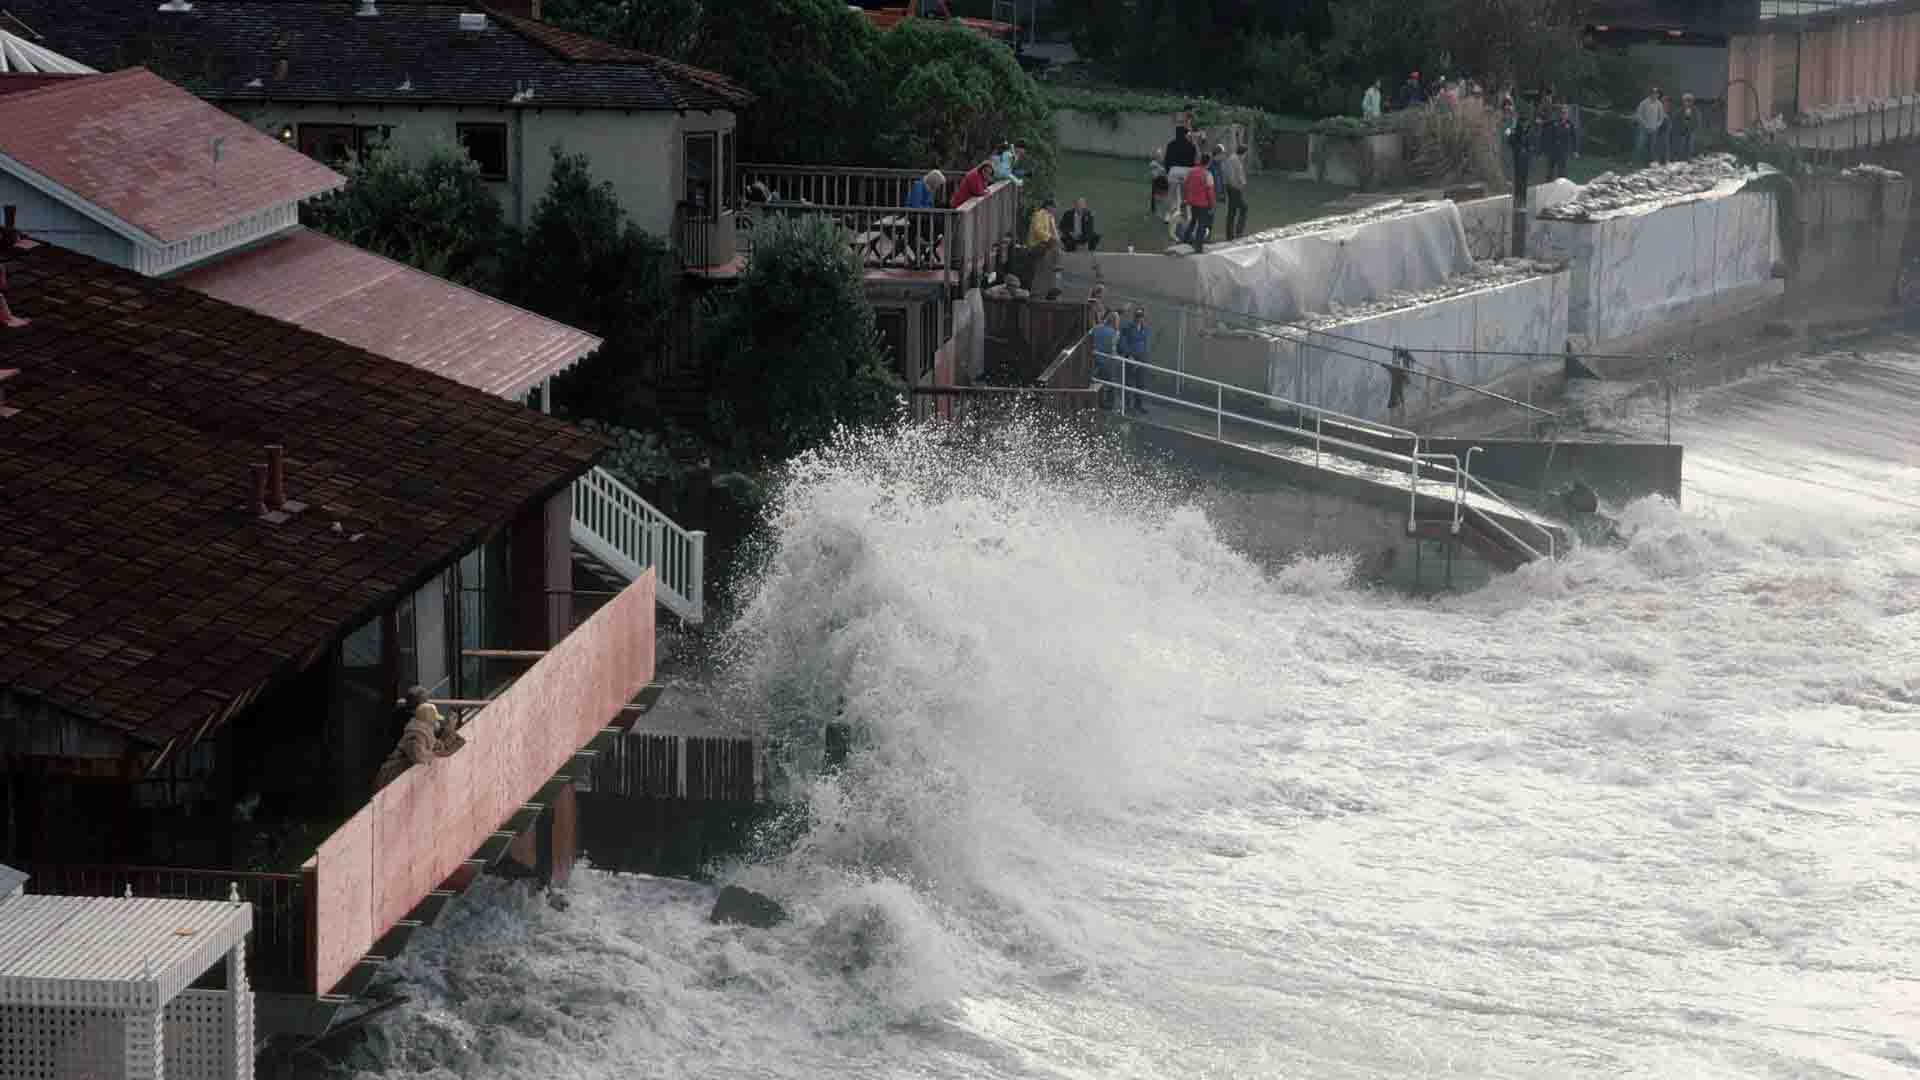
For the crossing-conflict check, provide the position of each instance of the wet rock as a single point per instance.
(746, 908)
(1580, 499)
(1670, 182)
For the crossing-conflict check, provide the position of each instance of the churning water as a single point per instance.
(1131, 806)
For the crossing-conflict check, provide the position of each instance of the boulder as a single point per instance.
(747, 908)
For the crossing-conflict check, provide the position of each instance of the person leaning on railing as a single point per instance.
(427, 735)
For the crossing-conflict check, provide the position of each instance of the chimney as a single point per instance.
(276, 477)
(7, 318)
(259, 489)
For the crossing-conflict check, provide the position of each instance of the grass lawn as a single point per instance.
(1116, 191)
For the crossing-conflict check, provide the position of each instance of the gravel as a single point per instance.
(1382, 212)
(1484, 275)
(1654, 184)
(1871, 172)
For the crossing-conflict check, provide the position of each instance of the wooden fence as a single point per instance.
(650, 765)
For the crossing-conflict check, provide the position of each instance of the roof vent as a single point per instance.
(176, 5)
(471, 21)
(367, 9)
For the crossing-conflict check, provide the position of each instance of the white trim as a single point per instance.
(66, 196)
(154, 261)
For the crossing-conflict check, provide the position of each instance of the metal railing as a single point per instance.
(278, 958)
(626, 532)
(1410, 460)
(692, 236)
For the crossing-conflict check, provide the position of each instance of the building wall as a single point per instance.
(639, 153)
(1871, 57)
(45, 219)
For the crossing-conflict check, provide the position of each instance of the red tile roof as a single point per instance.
(142, 149)
(137, 589)
(397, 312)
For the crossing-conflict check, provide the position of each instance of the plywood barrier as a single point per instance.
(420, 829)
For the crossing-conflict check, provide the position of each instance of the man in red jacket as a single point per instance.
(1200, 199)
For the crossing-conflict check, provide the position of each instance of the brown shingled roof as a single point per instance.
(582, 49)
(137, 588)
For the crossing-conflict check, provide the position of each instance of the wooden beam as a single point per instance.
(504, 654)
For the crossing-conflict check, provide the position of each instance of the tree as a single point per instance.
(811, 64)
(435, 214)
(670, 28)
(954, 95)
(581, 262)
(793, 348)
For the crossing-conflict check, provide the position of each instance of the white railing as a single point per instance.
(626, 532)
(1410, 459)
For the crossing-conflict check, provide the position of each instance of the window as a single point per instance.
(340, 144)
(701, 168)
(487, 145)
(892, 323)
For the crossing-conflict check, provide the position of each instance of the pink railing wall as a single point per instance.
(420, 829)
(1870, 57)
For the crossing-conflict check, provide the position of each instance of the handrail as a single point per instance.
(1463, 479)
(627, 533)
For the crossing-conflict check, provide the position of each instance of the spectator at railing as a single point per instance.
(1136, 341)
(925, 192)
(1006, 164)
(1077, 228)
(1097, 305)
(426, 736)
(974, 184)
(1106, 343)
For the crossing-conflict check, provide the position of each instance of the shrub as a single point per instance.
(793, 347)
(1455, 144)
(434, 214)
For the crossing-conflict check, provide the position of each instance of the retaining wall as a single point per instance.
(1136, 135)
(1638, 270)
(1848, 235)
(1528, 316)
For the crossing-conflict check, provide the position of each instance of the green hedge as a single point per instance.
(1113, 103)
(1362, 125)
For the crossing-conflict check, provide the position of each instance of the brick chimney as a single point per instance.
(276, 477)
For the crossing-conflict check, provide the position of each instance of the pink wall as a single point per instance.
(419, 829)
(1873, 57)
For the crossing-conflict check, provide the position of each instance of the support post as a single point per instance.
(141, 1032)
(238, 1026)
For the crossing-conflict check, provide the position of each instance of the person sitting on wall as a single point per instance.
(1077, 228)
(427, 735)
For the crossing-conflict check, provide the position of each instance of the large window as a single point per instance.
(340, 144)
(702, 151)
(486, 144)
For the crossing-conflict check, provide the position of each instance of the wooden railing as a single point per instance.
(278, 958)
(960, 402)
(869, 204)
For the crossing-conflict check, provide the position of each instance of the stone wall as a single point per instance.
(1640, 270)
(1848, 234)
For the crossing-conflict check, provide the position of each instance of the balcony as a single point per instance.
(891, 240)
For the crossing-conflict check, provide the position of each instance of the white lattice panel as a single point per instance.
(205, 1041)
(45, 1042)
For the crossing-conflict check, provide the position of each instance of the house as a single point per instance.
(229, 542)
(1765, 58)
(166, 184)
(332, 77)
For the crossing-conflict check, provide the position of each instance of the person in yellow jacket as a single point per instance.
(1043, 238)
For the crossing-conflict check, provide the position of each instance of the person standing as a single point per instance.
(1180, 157)
(1106, 344)
(1686, 124)
(1136, 341)
(974, 184)
(1412, 93)
(1199, 194)
(1370, 101)
(1236, 174)
(1647, 119)
(1043, 239)
(1556, 141)
(1077, 228)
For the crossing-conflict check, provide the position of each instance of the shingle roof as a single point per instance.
(143, 150)
(222, 46)
(137, 589)
(395, 311)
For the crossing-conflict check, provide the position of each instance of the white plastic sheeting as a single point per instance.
(1642, 268)
(1527, 317)
(1346, 261)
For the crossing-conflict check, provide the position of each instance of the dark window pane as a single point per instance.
(700, 175)
(486, 144)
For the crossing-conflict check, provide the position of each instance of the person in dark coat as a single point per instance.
(1077, 228)
(1556, 141)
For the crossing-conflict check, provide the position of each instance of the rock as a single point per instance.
(746, 908)
(1580, 498)
(558, 901)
